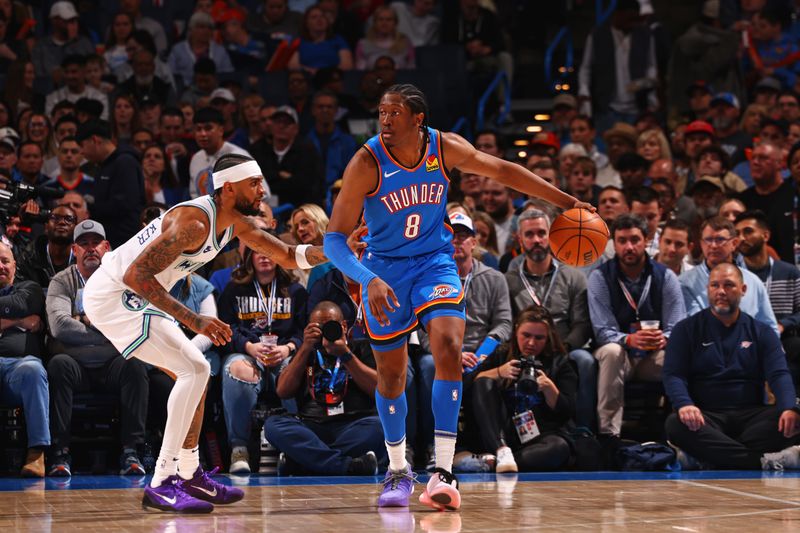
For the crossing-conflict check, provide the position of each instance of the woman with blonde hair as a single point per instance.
(752, 117)
(384, 39)
(652, 144)
(308, 226)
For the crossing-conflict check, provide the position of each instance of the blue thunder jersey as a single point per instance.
(407, 213)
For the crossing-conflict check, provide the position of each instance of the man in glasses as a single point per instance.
(719, 242)
(50, 253)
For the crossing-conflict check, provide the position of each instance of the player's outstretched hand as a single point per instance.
(584, 205)
(215, 329)
(381, 298)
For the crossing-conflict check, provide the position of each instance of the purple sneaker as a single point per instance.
(397, 488)
(170, 497)
(201, 486)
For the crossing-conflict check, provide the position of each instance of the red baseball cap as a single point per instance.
(546, 138)
(699, 126)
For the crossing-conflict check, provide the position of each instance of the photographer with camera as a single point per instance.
(266, 309)
(336, 430)
(524, 397)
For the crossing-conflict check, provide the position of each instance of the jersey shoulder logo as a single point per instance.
(432, 163)
(133, 302)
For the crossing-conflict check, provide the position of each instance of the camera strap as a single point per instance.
(270, 302)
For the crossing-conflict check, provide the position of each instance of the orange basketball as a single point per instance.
(578, 237)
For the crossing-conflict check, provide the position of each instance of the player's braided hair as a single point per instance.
(413, 98)
(228, 161)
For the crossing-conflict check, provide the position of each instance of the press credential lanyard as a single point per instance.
(530, 289)
(628, 296)
(335, 372)
(268, 306)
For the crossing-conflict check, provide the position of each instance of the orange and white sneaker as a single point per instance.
(442, 491)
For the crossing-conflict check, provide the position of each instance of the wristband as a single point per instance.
(300, 256)
(346, 356)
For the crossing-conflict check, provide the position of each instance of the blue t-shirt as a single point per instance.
(321, 55)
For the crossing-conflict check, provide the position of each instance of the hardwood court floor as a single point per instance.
(730, 502)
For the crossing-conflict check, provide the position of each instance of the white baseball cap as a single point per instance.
(63, 10)
(462, 220)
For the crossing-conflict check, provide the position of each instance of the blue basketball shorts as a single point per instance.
(426, 286)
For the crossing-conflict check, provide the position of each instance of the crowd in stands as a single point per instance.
(688, 145)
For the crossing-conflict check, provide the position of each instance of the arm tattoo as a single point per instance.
(315, 255)
(141, 275)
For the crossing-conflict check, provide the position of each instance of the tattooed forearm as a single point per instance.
(315, 255)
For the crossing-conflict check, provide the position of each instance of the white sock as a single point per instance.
(445, 449)
(397, 455)
(189, 461)
(166, 466)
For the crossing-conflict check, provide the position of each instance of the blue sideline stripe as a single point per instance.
(79, 482)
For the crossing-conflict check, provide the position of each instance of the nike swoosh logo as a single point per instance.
(170, 501)
(390, 174)
(707, 343)
(209, 492)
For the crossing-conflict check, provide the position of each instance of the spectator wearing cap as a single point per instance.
(290, 163)
(774, 196)
(713, 161)
(144, 82)
(49, 52)
(198, 43)
(224, 101)
(209, 133)
(618, 72)
(781, 279)
(73, 69)
(545, 143)
(697, 135)
(334, 146)
(725, 111)
(707, 193)
(565, 108)
(85, 361)
(620, 139)
(766, 92)
(706, 51)
(23, 379)
(773, 50)
(119, 187)
(50, 253)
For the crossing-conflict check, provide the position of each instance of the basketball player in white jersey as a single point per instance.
(128, 300)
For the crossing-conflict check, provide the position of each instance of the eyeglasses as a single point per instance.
(69, 219)
(716, 241)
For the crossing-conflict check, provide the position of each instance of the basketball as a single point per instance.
(578, 237)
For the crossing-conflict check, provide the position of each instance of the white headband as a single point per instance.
(242, 171)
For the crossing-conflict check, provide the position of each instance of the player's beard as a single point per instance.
(245, 208)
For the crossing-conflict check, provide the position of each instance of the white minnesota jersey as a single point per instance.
(116, 262)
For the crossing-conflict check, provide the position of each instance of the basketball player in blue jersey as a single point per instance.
(407, 273)
(128, 300)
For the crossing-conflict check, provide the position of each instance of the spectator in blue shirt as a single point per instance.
(719, 242)
(624, 294)
(334, 146)
(714, 372)
(319, 47)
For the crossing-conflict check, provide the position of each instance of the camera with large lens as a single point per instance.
(529, 368)
(16, 193)
(332, 330)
